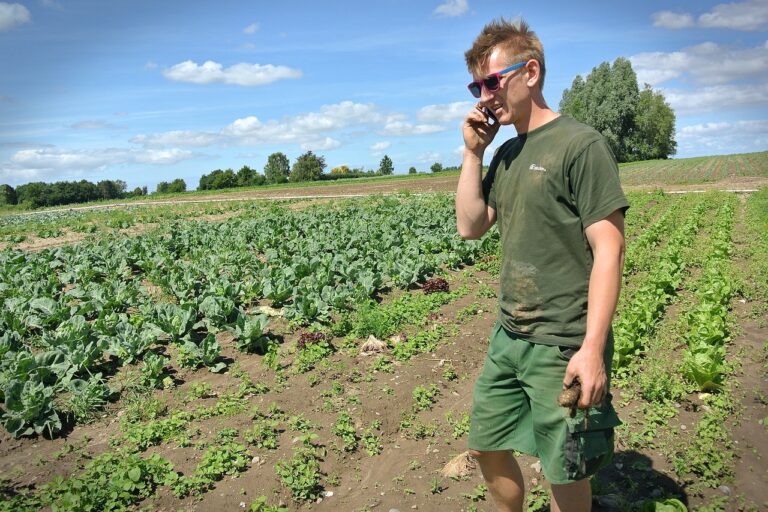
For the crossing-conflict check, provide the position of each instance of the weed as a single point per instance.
(467, 312)
(372, 442)
(301, 474)
(345, 429)
(477, 494)
(537, 499)
(425, 397)
(260, 505)
(436, 486)
(459, 427)
(449, 373)
(486, 292)
(300, 423)
(264, 434)
(199, 390)
(383, 364)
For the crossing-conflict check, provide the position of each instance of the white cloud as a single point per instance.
(446, 112)
(671, 20)
(303, 128)
(238, 74)
(452, 8)
(749, 15)
(759, 126)
(324, 144)
(706, 63)
(380, 146)
(708, 99)
(396, 125)
(252, 28)
(429, 157)
(12, 15)
(321, 130)
(39, 163)
(177, 138)
(92, 124)
(160, 156)
(723, 137)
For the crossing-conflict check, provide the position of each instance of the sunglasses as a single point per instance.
(492, 82)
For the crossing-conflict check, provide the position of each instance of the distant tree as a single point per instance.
(7, 195)
(111, 189)
(437, 167)
(412, 170)
(654, 134)
(385, 166)
(52, 194)
(144, 190)
(137, 192)
(217, 180)
(277, 169)
(635, 124)
(308, 167)
(176, 186)
(342, 169)
(246, 177)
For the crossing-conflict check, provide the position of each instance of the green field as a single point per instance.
(203, 356)
(691, 171)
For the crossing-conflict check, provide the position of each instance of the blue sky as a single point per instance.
(148, 91)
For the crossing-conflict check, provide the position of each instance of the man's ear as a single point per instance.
(534, 72)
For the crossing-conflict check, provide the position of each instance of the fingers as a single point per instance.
(592, 395)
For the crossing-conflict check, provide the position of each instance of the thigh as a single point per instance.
(501, 412)
(574, 448)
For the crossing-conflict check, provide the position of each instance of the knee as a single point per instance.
(478, 455)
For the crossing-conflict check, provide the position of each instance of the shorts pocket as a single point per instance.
(565, 353)
(589, 441)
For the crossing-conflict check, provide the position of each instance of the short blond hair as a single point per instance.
(514, 38)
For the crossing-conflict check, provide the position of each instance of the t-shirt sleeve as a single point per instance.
(489, 191)
(595, 185)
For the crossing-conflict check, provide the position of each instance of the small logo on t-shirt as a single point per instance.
(535, 167)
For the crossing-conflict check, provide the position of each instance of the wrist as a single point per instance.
(593, 345)
(474, 155)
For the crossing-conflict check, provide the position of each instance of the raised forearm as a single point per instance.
(471, 210)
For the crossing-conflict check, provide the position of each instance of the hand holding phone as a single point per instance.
(491, 118)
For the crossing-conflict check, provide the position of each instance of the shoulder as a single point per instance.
(576, 138)
(573, 132)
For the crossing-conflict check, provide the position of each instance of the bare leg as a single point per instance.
(573, 497)
(504, 479)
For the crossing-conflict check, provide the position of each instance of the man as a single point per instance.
(554, 192)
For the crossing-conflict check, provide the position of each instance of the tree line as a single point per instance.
(638, 124)
(39, 194)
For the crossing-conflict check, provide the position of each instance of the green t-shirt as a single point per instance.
(547, 186)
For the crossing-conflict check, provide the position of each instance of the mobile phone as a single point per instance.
(491, 118)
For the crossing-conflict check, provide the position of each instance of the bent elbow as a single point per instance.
(467, 233)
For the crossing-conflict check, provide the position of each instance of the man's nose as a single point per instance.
(485, 94)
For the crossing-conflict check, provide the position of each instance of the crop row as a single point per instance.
(640, 313)
(707, 328)
(642, 250)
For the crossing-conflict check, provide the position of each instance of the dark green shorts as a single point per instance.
(515, 408)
